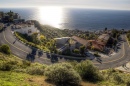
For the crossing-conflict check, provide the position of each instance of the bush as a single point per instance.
(8, 65)
(128, 83)
(88, 71)
(5, 49)
(76, 51)
(118, 78)
(26, 63)
(36, 69)
(20, 70)
(67, 52)
(62, 74)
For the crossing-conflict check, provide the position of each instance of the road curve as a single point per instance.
(25, 52)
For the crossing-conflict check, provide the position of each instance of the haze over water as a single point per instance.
(76, 18)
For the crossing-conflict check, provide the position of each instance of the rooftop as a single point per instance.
(96, 45)
(104, 37)
(80, 40)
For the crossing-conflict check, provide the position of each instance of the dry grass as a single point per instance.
(87, 84)
(39, 80)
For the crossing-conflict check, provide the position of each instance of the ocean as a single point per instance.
(76, 18)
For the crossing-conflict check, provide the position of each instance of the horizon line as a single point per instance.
(82, 7)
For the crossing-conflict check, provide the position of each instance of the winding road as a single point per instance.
(25, 52)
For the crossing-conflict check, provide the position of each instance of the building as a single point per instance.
(16, 16)
(79, 41)
(25, 29)
(62, 40)
(100, 43)
(73, 42)
(103, 39)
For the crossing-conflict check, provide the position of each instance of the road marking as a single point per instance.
(13, 45)
(115, 59)
(49, 59)
(19, 48)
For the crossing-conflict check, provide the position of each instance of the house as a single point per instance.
(93, 44)
(62, 43)
(62, 40)
(103, 39)
(16, 16)
(79, 41)
(100, 43)
(69, 42)
(25, 29)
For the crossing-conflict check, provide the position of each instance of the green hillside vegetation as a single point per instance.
(15, 71)
(49, 31)
(34, 41)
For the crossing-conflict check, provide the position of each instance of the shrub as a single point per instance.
(35, 70)
(82, 49)
(5, 66)
(20, 70)
(26, 63)
(62, 74)
(118, 78)
(76, 51)
(128, 83)
(67, 52)
(5, 49)
(88, 71)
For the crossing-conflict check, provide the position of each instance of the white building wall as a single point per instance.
(27, 30)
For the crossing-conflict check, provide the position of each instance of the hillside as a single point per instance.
(15, 71)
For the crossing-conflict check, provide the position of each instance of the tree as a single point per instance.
(11, 16)
(88, 71)
(76, 51)
(34, 38)
(42, 37)
(106, 29)
(92, 47)
(5, 49)
(62, 74)
(82, 49)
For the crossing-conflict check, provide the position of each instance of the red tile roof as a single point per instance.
(96, 45)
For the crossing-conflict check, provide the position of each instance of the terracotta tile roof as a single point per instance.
(80, 40)
(96, 45)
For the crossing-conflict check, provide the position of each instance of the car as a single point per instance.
(89, 56)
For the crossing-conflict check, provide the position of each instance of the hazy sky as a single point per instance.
(104, 4)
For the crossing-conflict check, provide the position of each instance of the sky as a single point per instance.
(101, 4)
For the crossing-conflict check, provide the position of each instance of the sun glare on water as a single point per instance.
(51, 15)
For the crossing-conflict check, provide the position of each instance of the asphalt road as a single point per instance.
(122, 57)
(21, 50)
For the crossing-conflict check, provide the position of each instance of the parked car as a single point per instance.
(89, 56)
